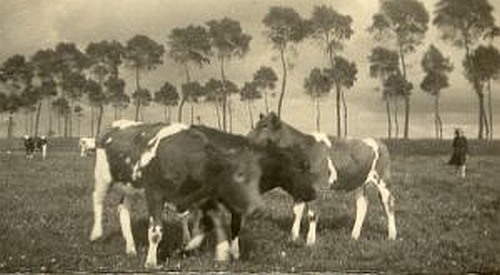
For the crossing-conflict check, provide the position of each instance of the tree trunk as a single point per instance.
(344, 104)
(490, 109)
(396, 122)
(389, 121)
(99, 120)
(49, 107)
(224, 94)
(266, 103)
(230, 113)
(183, 99)
(217, 112)
(318, 115)
(92, 119)
(37, 118)
(250, 115)
(406, 97)
(337, 110)
(165, 113)
(138, 106)
(283, 82)
(192, 112)
(10, 127)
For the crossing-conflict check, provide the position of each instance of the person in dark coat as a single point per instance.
(460, 151)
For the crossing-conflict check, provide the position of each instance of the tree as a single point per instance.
(189, 45)
(142, 53)
(384, 63)
(141, 97)
(343, 75)
(332, 28)
(228, 41)
(463, 23)
(213, 90)
(97, 99)
(249, 93)
(17, 74)
(167, 96)
(484, 66)
(62, 108)
(69, 62)
(285, 28)
(436, 66)
(191, 92)
(43, 62)
(316, 85)
(405, 23)
(265, 78)
(115, 94)
(396, 87)
(105, 58)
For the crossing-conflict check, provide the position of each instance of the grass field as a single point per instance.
(446, 224)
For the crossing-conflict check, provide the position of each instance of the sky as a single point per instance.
(27, 26)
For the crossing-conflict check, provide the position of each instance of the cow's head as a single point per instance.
(290, 169)
(270, 129)
(236, 175)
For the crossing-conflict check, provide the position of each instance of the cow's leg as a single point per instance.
(298, 211)
(44, 151)
(222, 252)
(155, 230)
(312, 217)
(186, 234)
(388, 203)
(124, 216)
(197, 234)
(361, 208)
(102, 177)
(236, 221)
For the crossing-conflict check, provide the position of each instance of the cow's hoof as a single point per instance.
(131, 252)
(95, 236)
(152, 266)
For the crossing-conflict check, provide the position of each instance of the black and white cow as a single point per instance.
(86, 145)
(174, 165)
(33, 144)
(342, 164)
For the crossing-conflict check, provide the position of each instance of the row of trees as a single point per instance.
(65, 78)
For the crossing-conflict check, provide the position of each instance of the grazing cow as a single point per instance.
(33, 144)
(174, 165)
(86, 145)
(286, 168)
(342, 164)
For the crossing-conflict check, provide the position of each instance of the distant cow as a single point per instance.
(174, 165)
(342, 164)
(34, 144)
(286, 168)
(86, 145)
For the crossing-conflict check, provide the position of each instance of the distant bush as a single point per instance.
(440, 147)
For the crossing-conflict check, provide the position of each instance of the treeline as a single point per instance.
(65, 79)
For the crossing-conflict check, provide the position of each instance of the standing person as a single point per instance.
(460, 150)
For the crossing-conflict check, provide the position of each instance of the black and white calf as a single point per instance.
(86, 145)
(176, 165)
(33, 144)
(341, 164)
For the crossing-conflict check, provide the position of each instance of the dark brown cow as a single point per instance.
(175, 165)
(286, 168)
(342, 164)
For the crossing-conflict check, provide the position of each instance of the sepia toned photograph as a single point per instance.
(250, 136)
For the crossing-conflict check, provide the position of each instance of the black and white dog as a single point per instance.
(32, 144)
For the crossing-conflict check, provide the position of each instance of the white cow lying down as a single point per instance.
(86, 145)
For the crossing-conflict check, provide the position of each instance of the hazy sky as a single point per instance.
(27, 26)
